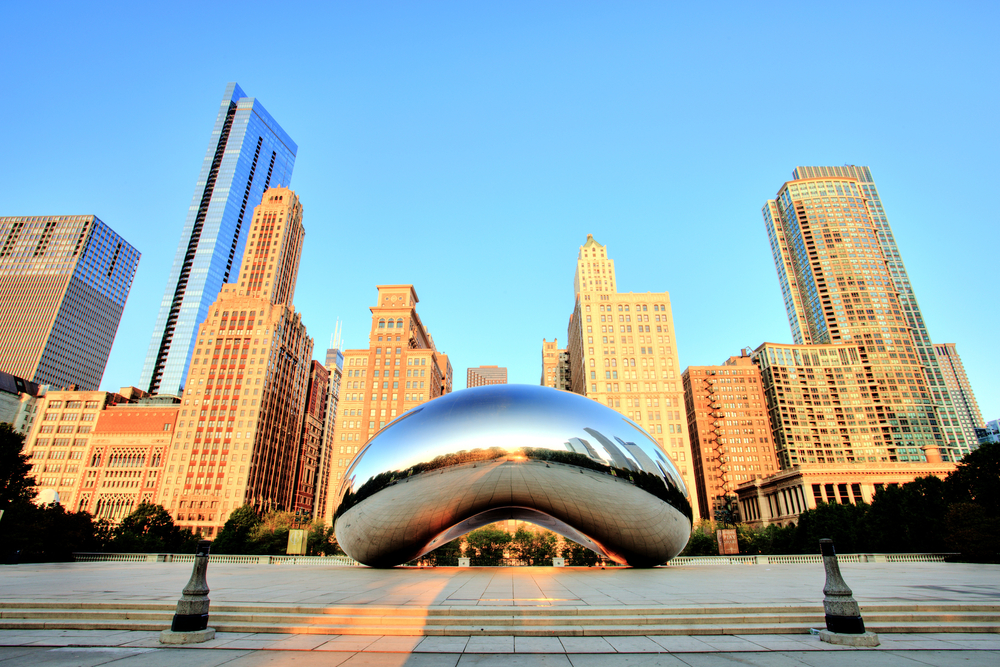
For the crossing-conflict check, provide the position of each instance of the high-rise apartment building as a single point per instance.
(64, 280)
(844, 283)
(484, 375)
(837, 404)
(247, 153)
(400, 369)
(960, 390)
(731, 440)
(241, 421)
(555, 366)
(623, 354)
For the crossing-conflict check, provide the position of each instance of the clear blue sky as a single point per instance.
(469, 148)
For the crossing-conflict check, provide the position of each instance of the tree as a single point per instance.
(702, 541)
(322, 541)
(237, 534)
(486, 545)
(579, 555)
(16, 485)
(977, 479)
(446, 554)
(909, 518)
(150, 528)
(728, 513)
(841, 523)
(533, 547)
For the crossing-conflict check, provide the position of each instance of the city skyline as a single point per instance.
(615, 189)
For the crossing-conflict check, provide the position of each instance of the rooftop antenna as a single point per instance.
(336, 340)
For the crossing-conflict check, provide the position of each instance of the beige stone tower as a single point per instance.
(400, 369)
(623, 354)
(242, 413)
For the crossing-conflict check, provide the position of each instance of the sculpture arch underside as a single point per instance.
(500, 452)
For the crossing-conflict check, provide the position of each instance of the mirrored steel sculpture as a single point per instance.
(500, 452)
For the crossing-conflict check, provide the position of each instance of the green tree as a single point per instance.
(322, 541)
(16, 485)
(841, 523)
(702, 541)
(728, 513)
(446, 555)
(486, 545)
(907, 518)
(579, 555)
(150, 528)
(237, 533)
(533, 547)
(977, 479)
(973, 533)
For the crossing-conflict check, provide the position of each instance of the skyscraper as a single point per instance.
(248, 153)
(628, 365)
(960, 390)
(239, 436)
(64, 280)
(400, 369)
(484, 375)
(843, 282)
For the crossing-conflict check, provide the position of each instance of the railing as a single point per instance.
(803, 559)
(231, 559)
(347, 561)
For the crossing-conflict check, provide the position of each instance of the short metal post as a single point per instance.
(190, 623)
(844, 624)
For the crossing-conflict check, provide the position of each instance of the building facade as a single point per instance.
(730, 431)
(248, 152)
(64, 280)
(960, 390)
(484, 375)
(844, 404)
(314, 422)
(623, 353)
(243, 409)
(843, 282)
(80, 460)
(400, 369)
(989, 433)
(555, 366)
(782, 497)
(19, 401)
(335, 368)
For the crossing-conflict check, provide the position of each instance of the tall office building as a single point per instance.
(247, 153)
(960, 391)
(484, 375)
(555, 366)
(843, 282)
(64, 280)
(623, 354)
(400, 369)
(730, 431)
(240, 430)
(311, 448)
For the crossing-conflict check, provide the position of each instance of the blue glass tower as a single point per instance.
(248, 153)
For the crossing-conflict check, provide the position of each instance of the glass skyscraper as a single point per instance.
(844, 282)
(64, 280)
(247, 154)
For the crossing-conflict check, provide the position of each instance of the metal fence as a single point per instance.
(346, 561)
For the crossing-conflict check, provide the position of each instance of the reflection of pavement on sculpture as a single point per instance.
(623, 524)
(481, 455)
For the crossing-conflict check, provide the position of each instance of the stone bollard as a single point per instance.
(190, 624)
(844, 624)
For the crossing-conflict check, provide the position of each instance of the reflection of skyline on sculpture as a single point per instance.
(462, 460)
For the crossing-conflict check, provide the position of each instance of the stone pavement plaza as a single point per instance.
(675, 586)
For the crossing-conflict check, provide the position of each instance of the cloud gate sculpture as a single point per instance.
(499, 452)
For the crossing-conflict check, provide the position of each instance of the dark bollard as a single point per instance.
(844, 624)
(190, 624)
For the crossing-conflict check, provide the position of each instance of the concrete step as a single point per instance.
(475, 620)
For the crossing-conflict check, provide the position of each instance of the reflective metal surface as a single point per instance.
(501, 452)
